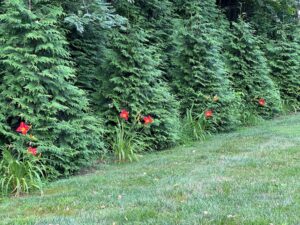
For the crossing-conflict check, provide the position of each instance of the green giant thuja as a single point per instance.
(158, 22)
(249, 71)
(88, 24)
(284, 61)
(199, 75)
(132, 81)
(37, 87)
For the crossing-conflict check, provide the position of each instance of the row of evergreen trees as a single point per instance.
(68, 68)
(37, 87)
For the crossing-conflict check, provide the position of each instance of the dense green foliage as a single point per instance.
(284, 60)
(68, 68)
(38, 88)
(249, 72)
(87, 36)
(199, 73)
(132, 81)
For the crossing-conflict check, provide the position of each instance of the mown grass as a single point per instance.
(247, 177)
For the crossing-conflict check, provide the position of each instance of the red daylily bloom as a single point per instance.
(32, 151)
(23, 128)
(124, 114)
(208, 114)
(262, 102)
(148, 120)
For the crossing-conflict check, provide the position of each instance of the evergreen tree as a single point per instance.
(157, 21)
(249, 71)
(200, 79)
(37, 88)
(89, 23)
(284, 60)
(132, 81)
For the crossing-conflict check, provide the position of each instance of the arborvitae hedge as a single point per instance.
(132, 81)
(87, 36)
(158, 23)
(86, 49)
(198, 68)
(37, 88)
(284, 61)
(249, 71)
(166, 44)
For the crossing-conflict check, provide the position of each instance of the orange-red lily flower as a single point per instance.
(32, 151)
(262, 102)
(208, 114)
(124, 114)
(148, 120)
(23, 128)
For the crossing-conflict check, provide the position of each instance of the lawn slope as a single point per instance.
(247, 177)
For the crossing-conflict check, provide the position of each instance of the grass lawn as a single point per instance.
(251, 176)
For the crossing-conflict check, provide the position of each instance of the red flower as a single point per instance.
(23, 128)
(124, 114)
(148, 120)
(262, 102)
(208, 114)
(32, 151)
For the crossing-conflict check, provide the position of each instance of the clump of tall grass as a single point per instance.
(20, 174)
(193, 127)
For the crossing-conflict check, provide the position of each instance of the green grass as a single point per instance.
(251, 176)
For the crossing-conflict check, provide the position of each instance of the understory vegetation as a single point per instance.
(83, 81)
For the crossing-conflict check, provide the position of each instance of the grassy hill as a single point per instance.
(251, 176)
